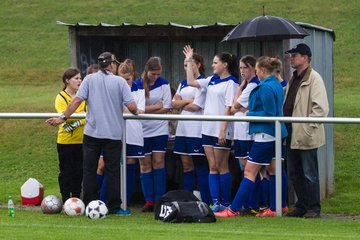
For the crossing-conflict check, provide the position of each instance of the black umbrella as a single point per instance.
(266, 28)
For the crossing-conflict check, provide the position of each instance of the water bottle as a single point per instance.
(11, 211)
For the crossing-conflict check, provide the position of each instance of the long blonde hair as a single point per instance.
(153, 64)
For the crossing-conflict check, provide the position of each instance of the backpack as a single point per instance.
(182, 206)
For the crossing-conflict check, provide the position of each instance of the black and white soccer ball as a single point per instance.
(51, 204)
(96, 210)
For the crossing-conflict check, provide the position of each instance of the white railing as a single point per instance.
(277, 121)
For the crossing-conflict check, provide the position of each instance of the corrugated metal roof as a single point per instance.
(125, 24)
(177, 25)
(308, 25)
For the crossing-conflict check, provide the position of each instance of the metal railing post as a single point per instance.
(278, 164)
(123, 168)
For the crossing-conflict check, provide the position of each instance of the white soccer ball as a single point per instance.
(74, 207)
(51, 204)
(96, 210)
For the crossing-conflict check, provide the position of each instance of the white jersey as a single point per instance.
(191, 128)
(241, 129)
(219, 95)
(134, 131)
(159, 92)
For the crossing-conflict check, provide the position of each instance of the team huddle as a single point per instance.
(89, 150)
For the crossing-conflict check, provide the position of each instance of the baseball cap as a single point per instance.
(301, 48)
(106, 58)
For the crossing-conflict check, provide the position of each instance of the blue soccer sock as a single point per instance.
(246, 202)
(130, 180)
(254, 197)
(159, 182)
(272, 193)
(188, 181)
(147, 185)
(265, 192)
(99, 179)
(103, 190)
(284, 187)
(214, 185)
(225, 188)
(243, 193)
(202, 174)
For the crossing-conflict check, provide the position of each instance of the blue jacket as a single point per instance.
(266, 99)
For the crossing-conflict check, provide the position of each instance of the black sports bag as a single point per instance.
(182, 206)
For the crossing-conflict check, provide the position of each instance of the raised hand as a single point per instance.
(188, 52)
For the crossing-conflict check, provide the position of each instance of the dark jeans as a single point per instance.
(304, 174)
(112, 154)
(71, 170)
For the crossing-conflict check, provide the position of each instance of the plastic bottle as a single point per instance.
(11, 211)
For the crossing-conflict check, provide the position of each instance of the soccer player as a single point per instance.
(188, 142)
(242, 139)
(156, 132)
(266, 99)
(216, 136)
(134, 131)
(70, 138)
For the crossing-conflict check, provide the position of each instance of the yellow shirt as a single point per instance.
(75, 137)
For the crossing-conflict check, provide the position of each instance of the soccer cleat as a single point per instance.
(266, 213)
(217, 207)
(263, 208)
(148, 207)
(248, 212)
(227, 213)
(123, 212)
(285, 209)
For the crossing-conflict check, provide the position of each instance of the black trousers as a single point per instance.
(304, 174)
(71, 170)
(112, 154)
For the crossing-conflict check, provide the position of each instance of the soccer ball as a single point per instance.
(74, 207)
(96, 210)
(51, 204)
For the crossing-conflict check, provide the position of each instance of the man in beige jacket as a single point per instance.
(305, 96)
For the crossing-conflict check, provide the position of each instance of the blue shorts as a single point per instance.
(134, 151)
(262, 153)
(188, 146)
(155, 144)
(242, 148)
(209, 141)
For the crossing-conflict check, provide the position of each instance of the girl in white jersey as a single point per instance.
(188, 141)
(134, 132)
(216, 136)
(157, 101)
(242, 139)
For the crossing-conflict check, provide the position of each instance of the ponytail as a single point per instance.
(231, 60)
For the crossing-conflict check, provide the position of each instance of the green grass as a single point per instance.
(140, 226)
(34, 53)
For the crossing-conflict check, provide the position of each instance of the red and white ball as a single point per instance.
(74, 207)
(51, 204)
(96, 210)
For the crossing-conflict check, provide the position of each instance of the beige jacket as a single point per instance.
(310, 101)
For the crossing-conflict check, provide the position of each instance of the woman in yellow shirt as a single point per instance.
(70, 138)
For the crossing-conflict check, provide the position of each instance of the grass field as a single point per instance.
(34, 53)
(141, 226)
